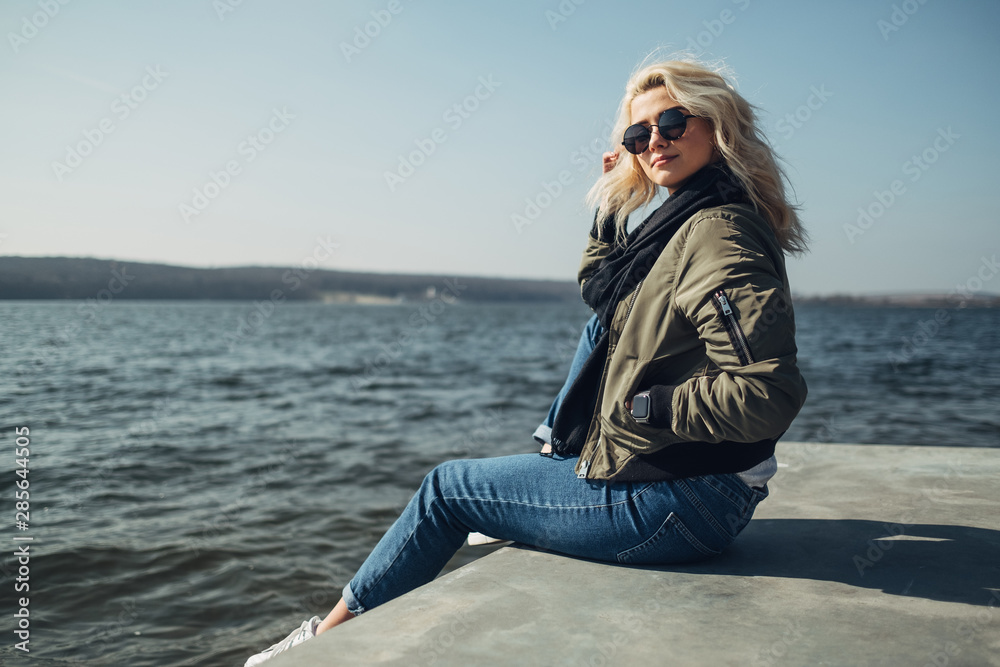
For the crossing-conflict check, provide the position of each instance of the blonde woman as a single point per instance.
(659, 447)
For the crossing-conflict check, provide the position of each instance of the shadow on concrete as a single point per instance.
(938, 562)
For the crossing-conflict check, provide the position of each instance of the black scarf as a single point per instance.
(617, 276)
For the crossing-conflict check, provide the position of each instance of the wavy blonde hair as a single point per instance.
(704, 91)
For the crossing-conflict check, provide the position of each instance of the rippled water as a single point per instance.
(199, 489)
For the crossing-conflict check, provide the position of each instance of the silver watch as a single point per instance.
(640, 407)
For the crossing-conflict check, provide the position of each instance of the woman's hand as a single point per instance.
(610, 160)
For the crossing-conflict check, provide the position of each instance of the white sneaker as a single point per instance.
(478, 539)
(305, 631)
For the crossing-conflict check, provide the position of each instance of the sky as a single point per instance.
(410, 136)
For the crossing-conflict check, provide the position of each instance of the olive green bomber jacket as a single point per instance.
(713, 320)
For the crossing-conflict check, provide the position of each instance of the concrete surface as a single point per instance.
(862, 555)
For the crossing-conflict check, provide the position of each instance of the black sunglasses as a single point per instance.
(671, 126)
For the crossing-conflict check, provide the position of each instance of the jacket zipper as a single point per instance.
(732, 327)
(585, 464)
(631, 302)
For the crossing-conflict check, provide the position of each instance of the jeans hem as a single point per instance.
(353, 605)
(543, 434)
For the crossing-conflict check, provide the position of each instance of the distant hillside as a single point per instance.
(83, 278)
(954, 300)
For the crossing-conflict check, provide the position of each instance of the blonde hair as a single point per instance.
(705, 92)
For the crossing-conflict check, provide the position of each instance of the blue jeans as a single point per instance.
(539, 501)
(588, 340)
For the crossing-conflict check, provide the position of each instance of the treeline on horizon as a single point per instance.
(87, 278)
(83, 278)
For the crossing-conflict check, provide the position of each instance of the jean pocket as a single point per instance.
(737, 522)
(672, 543)
(728, 487)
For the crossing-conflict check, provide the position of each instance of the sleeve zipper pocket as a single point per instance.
(732, 326)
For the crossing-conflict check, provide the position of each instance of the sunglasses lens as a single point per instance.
(672, 124)
(636, 139)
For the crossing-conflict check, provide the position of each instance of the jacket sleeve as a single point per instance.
(592, 256)
(600, 242)
(731, 287)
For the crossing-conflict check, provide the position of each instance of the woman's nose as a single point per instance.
(656, 140)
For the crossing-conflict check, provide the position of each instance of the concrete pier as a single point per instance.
(862, 555)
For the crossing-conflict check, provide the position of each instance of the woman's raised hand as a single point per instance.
(610, 159)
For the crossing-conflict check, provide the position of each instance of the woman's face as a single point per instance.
(669, 163)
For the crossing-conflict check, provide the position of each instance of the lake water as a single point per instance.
(203, 478)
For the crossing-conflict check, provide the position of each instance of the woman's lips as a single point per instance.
(662, 160)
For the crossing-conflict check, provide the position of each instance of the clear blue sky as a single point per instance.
(337, 122)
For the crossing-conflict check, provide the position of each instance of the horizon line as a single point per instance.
(935, 294)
